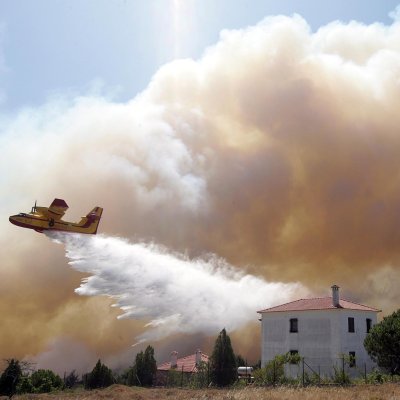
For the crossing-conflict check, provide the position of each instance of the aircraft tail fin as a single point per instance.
(91, 221)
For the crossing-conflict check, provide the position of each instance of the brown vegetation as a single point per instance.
(388, 391)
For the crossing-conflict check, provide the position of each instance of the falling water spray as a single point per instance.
(173, 293)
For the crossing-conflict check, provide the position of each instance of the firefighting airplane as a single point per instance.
(49, 219)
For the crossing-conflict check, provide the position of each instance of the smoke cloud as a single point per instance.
(277, 150)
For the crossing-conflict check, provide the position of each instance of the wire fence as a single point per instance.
(341, 370)
(305, 371)
(322, 371)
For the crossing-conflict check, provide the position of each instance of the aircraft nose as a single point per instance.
(13, 220)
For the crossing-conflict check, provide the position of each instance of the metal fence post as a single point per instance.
(303, 380)
(319, 375)
(182, 376)
(365, 372)
(343, 370)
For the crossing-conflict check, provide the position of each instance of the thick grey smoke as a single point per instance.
(174, 293)
(277, 150)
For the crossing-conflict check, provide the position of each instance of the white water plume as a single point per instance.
(176, 294)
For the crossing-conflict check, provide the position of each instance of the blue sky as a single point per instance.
(53, 47)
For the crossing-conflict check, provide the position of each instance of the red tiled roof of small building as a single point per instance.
(185, 364)
(320, 303)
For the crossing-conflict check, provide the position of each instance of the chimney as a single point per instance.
(174, 359)
(335, 296)
(198, 357)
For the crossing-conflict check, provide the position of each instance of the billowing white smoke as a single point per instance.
(176, 294)
(278, 148)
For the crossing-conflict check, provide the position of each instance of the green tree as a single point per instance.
(100, 377)
(45, 381)
(223, 363)
(142, 372)
(150, 367)
(10, 378)
(71, 379)
(240, 361)
(383, 343)
(25, 385)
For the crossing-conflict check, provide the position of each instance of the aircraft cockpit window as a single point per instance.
(22, 214)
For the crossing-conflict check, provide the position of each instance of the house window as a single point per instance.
(293, 325)
(352, 359)
(350, 322)
(369, 324)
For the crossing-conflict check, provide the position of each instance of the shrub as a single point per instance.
(45, 381)
(274, 371)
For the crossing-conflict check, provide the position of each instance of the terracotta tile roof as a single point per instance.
(319, 303)
(188, 363)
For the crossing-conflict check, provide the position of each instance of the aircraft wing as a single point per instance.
(57, 209)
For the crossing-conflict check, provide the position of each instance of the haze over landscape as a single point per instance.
(264, 169)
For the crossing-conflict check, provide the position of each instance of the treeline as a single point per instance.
(18, 377)
(382, 344)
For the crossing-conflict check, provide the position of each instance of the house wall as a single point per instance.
(355, 341)
(321, 338)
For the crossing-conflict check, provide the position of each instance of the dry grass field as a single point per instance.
(388, 391)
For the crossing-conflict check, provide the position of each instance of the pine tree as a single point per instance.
(223, 362)
(142, 372)
(100, 377)
(10, 378)
(149, 366)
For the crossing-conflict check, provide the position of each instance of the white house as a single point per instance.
(321, 330)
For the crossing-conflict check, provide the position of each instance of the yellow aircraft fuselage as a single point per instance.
(49, 219)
